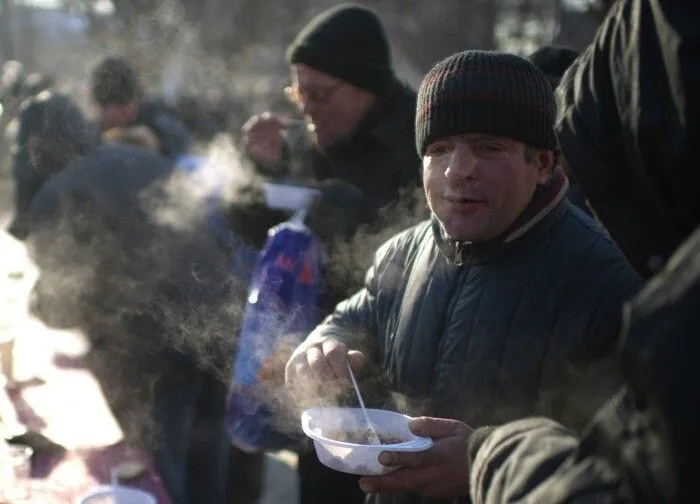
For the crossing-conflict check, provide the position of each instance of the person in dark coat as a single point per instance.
(52, 133)
(117, 90)
(357, 145)
(632, 93)
(124, 259)
(358, 116)
(553, 61)
(506, 302)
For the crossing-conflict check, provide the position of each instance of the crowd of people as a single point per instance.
(534, 307)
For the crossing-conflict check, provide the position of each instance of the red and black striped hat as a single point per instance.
(486, 92)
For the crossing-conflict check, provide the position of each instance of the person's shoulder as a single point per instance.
(577, 224)
(583, 243)
(166, 124)
(122, 154)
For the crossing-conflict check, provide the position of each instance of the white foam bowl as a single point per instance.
(352, 458)
(289, 197)
(105, 494)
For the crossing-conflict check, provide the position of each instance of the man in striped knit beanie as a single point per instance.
(505, 303)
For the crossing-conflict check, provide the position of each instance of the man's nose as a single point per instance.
(462, 162)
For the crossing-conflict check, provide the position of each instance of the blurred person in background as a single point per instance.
(356, 144)
(506, 302)
(148, 282)
(117, 91)
(641, 447)
(15, 86)
(553, 61)
(52, 133)
(359, 116)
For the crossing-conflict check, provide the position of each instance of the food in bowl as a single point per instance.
(335, 432)
(363, 437)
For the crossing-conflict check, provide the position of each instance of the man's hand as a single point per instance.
(263, 136)
(442, 472)
(321, 362)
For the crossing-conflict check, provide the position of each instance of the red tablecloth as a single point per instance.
(66, 404)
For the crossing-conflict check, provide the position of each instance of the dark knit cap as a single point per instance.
(115, 81)
(553, 61)
(58, 122)
(486, 92)
(347, 41)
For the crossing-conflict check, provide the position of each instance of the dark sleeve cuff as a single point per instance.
(476, 440)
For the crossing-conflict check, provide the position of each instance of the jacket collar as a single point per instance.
(544, 201)
(383, 120)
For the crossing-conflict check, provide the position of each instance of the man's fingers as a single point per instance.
(406, 459)
(294, 369)
(401, 480)
(336, 354)
(356, 359)
(319, 364)
(437, 428)
(266, 120)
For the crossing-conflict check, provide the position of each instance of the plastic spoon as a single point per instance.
(114, 483)
(372, 436)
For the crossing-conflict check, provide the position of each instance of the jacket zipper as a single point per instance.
(460, 249)
(459, 253)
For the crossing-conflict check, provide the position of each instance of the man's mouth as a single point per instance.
(463, 200)
(465, 204)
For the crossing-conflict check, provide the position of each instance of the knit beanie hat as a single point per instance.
(486, 92)
(347, 41)
(553, 61)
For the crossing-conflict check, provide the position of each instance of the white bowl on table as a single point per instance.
(353, 458)
(106, 494)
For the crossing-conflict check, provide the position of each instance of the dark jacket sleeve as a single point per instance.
(356, 320)
(353, 320)
(628, 118)
(534, 461)
(175, 139)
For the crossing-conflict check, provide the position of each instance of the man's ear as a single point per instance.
(545, 160)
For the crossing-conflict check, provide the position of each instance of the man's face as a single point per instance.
(333, 106)
(477, 185)
(117, 115)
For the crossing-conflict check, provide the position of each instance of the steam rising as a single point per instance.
(152, 293)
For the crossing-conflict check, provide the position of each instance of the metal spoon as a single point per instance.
(372, 436)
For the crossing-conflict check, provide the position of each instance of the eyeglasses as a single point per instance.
(316, 96)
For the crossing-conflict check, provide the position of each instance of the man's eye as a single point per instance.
(490, 150)
(437, 149)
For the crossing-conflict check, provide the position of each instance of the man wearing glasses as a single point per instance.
(358, 124)
(357, 131)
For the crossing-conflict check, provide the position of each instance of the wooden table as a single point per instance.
(61, 399)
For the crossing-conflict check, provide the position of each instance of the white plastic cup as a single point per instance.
(288, 197)
(352, 458)
(15, 464)
(106, 494)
